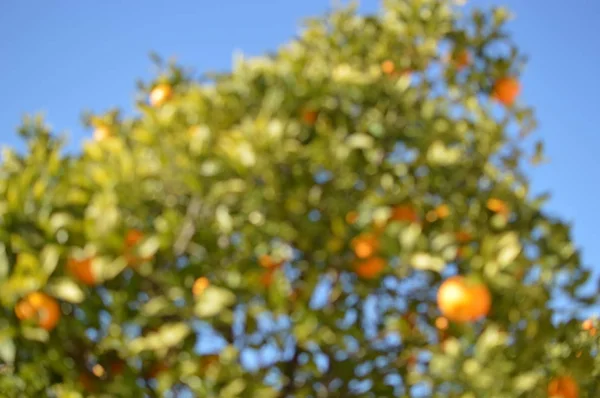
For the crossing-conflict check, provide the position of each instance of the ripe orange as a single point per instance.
(462, 301)
(388, 67)
(441, 323)
(463, 237)
(440, 212)
(24, 310)
(133, 237)
(506, 90)
(365, 245)
(200, 286)
(462, 59)
(309, 116)
(352, 217)
(497, 206)
(482, 301)
(267, 261)
(404, 213)
(267, 277)
(563, 387)
(160, 94)
(588, 325)
(82, 270)
(371, 268)
(39, 306)
(101, 133)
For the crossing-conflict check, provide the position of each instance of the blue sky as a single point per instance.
(65, 56)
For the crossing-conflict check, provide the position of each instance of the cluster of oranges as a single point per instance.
(45, 309)
(40, 307)
(159, 95)
(368, 265)
(505, 90)
(366, 245)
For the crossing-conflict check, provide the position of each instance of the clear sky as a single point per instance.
(65, 56)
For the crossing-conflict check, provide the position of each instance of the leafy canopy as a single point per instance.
(283, 229)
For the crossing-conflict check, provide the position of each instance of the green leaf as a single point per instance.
(66, 289)
(49, 258)
(233, 389)
(213, 300)
(3, 262)
(7, 350)
(424, 261)
(173, 334)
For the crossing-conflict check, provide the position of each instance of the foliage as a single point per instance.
(322, 194)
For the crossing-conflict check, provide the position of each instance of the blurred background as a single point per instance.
(62, 57)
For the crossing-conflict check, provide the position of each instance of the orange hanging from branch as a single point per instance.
(41, 307)
(371, 268)
(365, 245)
(563, 387)
(506, 90)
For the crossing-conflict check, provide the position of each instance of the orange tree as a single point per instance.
(346, 217)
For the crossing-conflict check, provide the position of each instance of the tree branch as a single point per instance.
(290, 373)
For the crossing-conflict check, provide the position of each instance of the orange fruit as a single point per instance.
(98, 370)
(506, 90)
(309, 116)
(442, 211)
(267, 277)
(460, 300)
(462, 237)
(24, 310)
(200, 286)
(404, 213)
(101, 133)
(388, 67)
(267, 261)
(497, 206)
(482, 301)
(371, 268)
(39, 306)
(352, 217)
(82, 270)
(441, 323)
(365, 245)
(160, 94)
(462, 59)
(563, 387)
(588, 325)
(133, 237)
